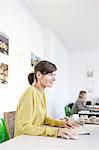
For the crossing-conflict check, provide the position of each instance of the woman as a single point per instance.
(80, 103)
(31, 114)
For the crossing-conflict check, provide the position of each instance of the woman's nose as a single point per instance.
(53, 78)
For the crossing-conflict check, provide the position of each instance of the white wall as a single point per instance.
(26, 34)
(59, 93)
(79, 62)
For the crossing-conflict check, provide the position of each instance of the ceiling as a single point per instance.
(74, 21)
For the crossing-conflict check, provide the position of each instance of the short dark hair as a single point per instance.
(44, 67)
(81, 93)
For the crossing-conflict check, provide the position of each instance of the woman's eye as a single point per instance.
(50, 74)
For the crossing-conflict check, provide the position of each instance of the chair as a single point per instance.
(4, 136)
(9, 118)
(70, 105)
(68, 111)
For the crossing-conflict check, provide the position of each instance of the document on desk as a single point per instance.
(82, 130)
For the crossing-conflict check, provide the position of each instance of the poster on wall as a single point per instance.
(4, 44)
(3, 73)
(90, 74)
(34, 60)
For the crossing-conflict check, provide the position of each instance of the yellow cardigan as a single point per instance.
(31, 115)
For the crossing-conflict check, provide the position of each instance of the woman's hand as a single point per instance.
(66, 133)
(72, 124)
(69, 124)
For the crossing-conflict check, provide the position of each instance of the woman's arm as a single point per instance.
(52, 122)
(81, 105)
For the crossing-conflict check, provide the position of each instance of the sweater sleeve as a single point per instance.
(27, 113)
(52, 122)
(40, 130)
(81, 106)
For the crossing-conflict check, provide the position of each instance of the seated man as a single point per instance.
(80, 103)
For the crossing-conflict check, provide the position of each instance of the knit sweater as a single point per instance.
(31, 115)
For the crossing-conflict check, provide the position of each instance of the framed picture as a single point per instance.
(3, 73)
(4, 44)
(34, 59)
(90, 72)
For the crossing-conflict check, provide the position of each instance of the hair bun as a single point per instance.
(31, 78)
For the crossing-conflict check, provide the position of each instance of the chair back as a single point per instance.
(70, 105)
(4, 136)
(9, 118)
(68, 111)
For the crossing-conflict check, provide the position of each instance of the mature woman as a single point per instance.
(31, 114)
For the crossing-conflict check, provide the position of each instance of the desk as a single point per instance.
(89, 113)
(26, 142)
(93, 107)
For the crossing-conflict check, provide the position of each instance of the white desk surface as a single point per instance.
(82, 112)
(25, 142)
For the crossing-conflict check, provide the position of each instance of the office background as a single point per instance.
(29, 34)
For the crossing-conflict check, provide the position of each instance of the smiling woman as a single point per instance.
(31, 114)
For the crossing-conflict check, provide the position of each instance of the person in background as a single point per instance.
(31, 114)
(80, 103)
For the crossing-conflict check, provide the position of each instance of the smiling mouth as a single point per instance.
(51, 82)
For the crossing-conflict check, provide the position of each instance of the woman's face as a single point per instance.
(48, 79)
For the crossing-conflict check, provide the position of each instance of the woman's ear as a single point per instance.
(38, 74)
